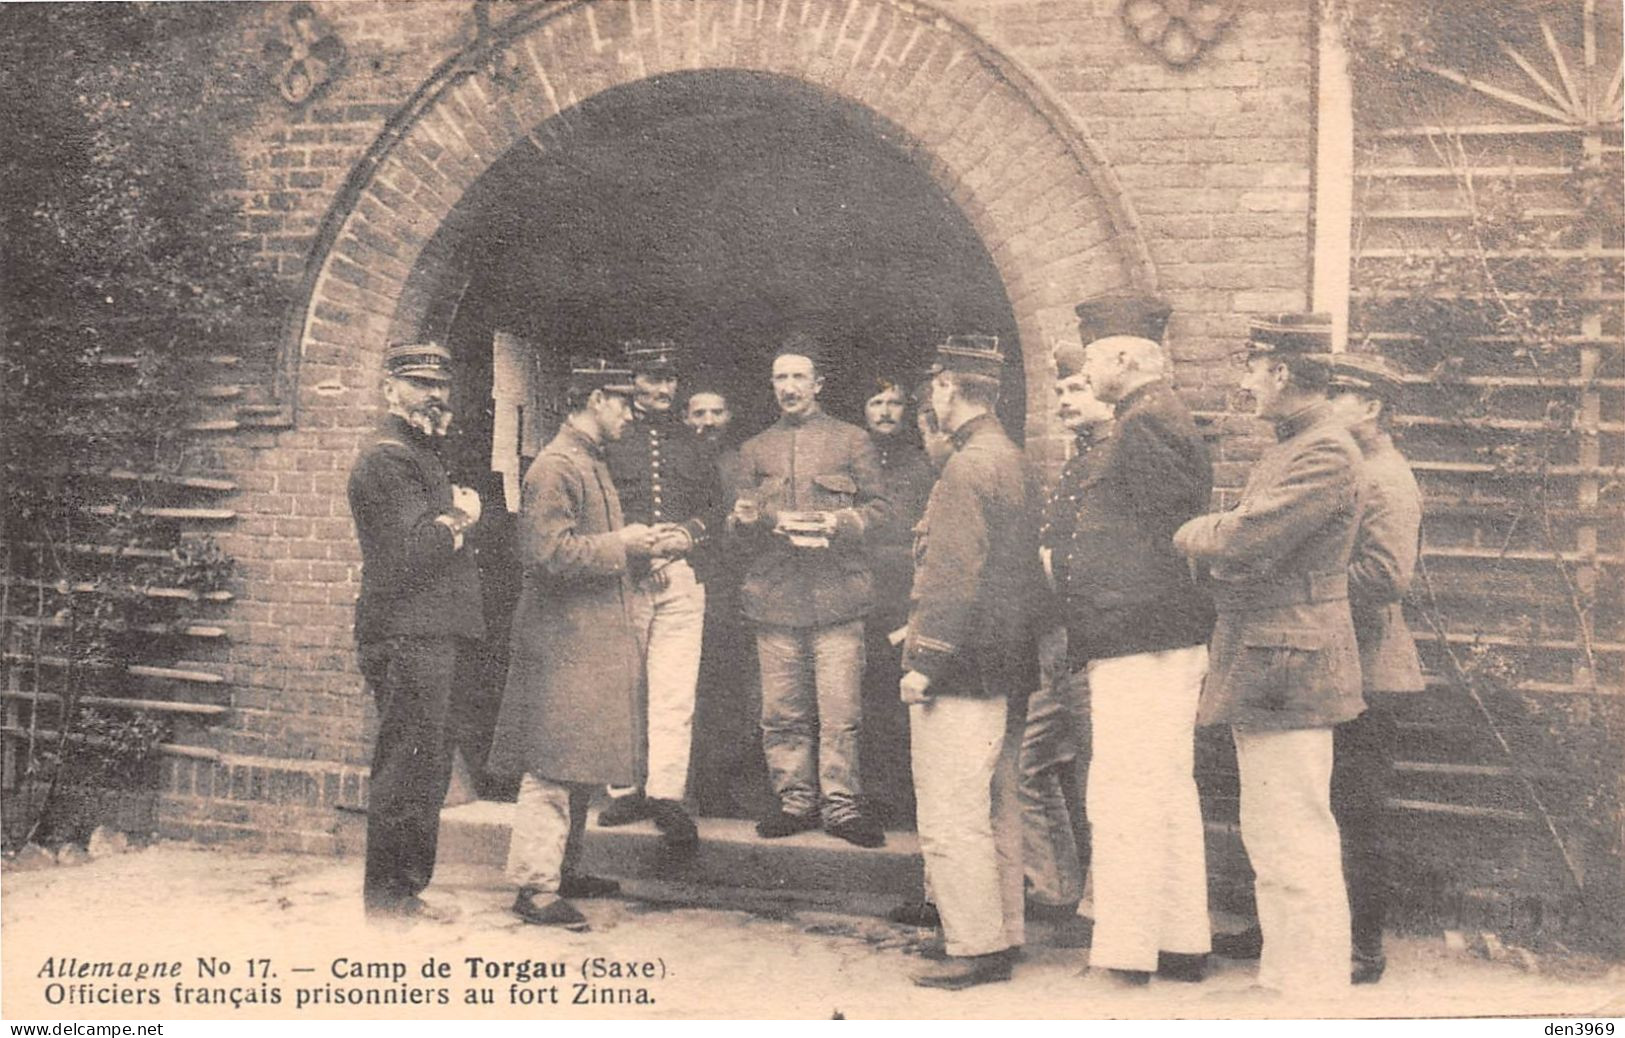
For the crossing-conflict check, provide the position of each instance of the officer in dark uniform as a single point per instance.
(418, 617)
(970, 662)
(667, 480)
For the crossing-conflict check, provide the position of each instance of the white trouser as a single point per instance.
(1292, 840)
(546, 839)
(670, 621)
(969, 820)
(1148, 863)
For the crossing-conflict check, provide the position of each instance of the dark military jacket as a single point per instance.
(1283, 654)
(908, 475)
(813, 463)
(978, 584)
(415, 578)
(1122, 586)
(665, 474)
(1380, 571)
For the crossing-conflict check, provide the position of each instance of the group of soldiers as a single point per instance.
(940, 574)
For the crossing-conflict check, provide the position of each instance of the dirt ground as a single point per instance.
(285, 937)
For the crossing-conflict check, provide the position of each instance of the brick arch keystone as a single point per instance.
(1025, 172)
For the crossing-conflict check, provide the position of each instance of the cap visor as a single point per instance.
(426, 373)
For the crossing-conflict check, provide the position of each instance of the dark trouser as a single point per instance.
(727, 774)
(883, 745)
(1363, 760)
(411, 680)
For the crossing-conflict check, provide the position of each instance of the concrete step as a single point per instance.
(730, 855)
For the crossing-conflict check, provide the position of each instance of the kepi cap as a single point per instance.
(652, 356)
(1290, 333)
(970, 355)
(1366, 373)
(588, 374)
(428, 361)
(1144, 317)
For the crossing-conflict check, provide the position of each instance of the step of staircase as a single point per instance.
(730, 854)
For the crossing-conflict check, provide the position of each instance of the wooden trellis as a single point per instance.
(1516, 424)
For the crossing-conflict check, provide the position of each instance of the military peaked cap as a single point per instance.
(970, 355)
(1144, 317)
(588, 374)
(652, 356)
(429, 361)
(1290, 333)
(1363, 373)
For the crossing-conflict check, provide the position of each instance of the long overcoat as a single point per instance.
(574, 706)
(1283, 654)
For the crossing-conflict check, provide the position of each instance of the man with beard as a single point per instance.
(1285, 661)
(970, 663)
(729, 774)
(907, 476)
(419, 613)
(810, 491)
(572, 717)
(667, 480)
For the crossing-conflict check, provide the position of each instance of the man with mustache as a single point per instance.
(1137, 627)
(665, 479)
(908, 476)
(1054, 746)
(419, 612)
(810, 492)
(1285, 659)
(730, 776)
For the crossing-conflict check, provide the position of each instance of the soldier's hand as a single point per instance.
(912, 688)
(466, 500)
(673, 541)
(639, 539)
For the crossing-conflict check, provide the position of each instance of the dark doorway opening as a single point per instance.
(722, 210)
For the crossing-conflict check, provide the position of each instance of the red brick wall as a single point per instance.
(1085, 162)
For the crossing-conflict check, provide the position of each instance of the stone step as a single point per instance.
(730, 855)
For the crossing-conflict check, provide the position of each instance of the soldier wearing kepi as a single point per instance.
(572, 717)
(665, 479)
(970, 662)
(1054, 746)
(810, 491)
(1362, 389)
(1285, 666)
(419, 611)
(1138, 625)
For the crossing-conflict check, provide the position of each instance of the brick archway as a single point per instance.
(1028, 178)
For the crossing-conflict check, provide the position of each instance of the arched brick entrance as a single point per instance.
(1027, 177)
